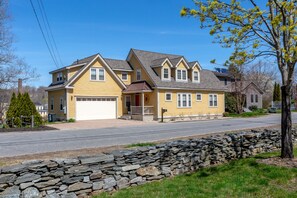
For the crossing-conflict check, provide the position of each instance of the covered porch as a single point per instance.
(138, 101)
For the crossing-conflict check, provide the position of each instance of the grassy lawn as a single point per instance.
(239, 178)
(247, 114)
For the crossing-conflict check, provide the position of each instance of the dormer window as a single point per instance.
(138, 74)
(59, 76)
(196, 76)
(181, 75)
(166, 74)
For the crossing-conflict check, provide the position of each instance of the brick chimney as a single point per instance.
(20, 85)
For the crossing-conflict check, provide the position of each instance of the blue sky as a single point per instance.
(111, 28)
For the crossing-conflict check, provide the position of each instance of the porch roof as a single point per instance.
(138, 87)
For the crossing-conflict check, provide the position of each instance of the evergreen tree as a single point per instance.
(278, 93)
(12, 107)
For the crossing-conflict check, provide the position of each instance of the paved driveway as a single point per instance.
(17, 143)
(99, 124)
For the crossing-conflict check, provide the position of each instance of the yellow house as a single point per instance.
(145, 86)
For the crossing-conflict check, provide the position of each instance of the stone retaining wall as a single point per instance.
(86, 175)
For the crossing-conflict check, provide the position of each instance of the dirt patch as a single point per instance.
(277, 161)
(41, 128)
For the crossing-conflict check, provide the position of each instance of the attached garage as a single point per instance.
(95, 108)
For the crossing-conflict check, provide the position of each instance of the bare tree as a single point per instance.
(11, 67)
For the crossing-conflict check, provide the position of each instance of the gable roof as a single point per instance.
(245, 85)
(193, 63)
(120, 65)
(208, 80)
(136, 87)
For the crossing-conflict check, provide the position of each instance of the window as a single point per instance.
(181, 75)
(52, 103)
(124, 76)
(168, 97)
(166, 75)
(61, 104)
(256, 98)
(252, 98)
(195, 76)
(213, 100)
(138, 74)
(93, 74)
(128, 102)
(198, 97)
(59, 76)
(226, 81)
(184, 100)
(97, 74)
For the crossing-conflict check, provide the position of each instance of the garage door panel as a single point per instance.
(95, 108)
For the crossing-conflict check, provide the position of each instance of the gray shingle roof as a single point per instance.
(84, 60)
(191, 64)
(208, 81)
(158, 62)
(174, 61)
(118, 64)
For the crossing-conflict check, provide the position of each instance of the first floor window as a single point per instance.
(198, 97)
(52, 104)
(168, 97)
(256, 98)
(184, 100)
(124, 76)
(128, 102)
(252, 98)
(61, 104)
(213, 100)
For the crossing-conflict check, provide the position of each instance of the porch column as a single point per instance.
(142, 104)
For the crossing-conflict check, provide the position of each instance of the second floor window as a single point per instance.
(97, 74)
(195, 76)
(59, 76)
(124, 76)
(138, 74)
(166, 74)
(181, 75)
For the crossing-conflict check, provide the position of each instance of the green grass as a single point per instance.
(239, 178)
(141, 144)
(247, 114)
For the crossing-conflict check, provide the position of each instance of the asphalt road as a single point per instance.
(21, 143)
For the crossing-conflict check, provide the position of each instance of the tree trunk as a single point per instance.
(286, 124)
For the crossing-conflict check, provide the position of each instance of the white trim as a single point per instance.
(181, 100)
(138, 70)
(170, 97)
(190, 89)
(213, 94)
(198, 65)
(97, 69)
(168, 61)
(85, 67)
(181, 80)
(193, 77)
(124, 70)
(182, 59)
(127, 96)
(67, 105)
(200, 97)
(169, 74)
(126, 75)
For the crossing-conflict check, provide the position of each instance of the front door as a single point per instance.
(137, 100)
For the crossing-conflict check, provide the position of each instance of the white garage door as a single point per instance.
(95, 108)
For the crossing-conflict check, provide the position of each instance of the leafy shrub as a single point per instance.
(253, 108)
(226, 114)
(230, 103)
(71, 120)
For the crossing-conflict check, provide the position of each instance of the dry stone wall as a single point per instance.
(87, 175)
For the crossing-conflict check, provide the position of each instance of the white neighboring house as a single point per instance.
(42, 110)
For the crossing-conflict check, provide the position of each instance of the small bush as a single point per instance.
(71, 120)
(253, 108)
(226, 114)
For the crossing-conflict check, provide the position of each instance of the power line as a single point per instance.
(50, 30)
(43, 35)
